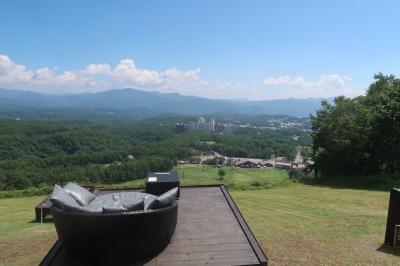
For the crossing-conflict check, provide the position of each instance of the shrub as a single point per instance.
(221, 173)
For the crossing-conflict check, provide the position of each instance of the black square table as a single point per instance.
(159, 182)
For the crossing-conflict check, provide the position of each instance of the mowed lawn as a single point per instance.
(296, 224)
(23, 241)
(306, 225)
(235, 178)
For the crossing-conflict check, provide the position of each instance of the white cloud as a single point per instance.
(125, 74)
(297, 86)
(68, 77)
(173, 73)
(127, 71)
(11, 72)
(95, 77)
(43, 73)
(98, 69)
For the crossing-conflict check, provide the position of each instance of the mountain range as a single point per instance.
(147, 104)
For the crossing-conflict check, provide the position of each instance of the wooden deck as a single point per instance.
(210, 230)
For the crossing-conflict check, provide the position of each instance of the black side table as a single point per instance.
(159, 182)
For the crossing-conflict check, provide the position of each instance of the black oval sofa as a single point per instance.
(118, 236)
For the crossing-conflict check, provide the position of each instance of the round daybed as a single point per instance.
(116, 236)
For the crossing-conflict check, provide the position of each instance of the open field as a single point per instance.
(235, 178)
(296, 224)
(193, 174)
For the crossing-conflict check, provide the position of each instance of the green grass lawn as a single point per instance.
(208, 142)
(307, 225)
(23, 241)
(235, 178)
(296, 224)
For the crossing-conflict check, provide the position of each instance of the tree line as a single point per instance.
(359, 136)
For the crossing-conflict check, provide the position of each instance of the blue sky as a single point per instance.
(216, 49)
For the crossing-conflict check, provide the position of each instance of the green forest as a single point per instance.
(38, 153)
(359, 136)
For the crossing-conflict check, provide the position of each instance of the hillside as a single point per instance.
(36, 153)
(146, 104)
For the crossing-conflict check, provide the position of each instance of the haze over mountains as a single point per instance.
(146, 104)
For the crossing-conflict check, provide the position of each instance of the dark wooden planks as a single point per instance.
(250, 237)
(210, 230)
(207, 232)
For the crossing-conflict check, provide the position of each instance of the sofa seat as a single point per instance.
(116, 227)
(117, 237)
(125, 199)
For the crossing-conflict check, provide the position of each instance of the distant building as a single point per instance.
(246, 164)
(268, 163)
(192, 126)
(219, 127)
(298, 166)
(181, 127)
(283, 165)
(228, 129)
(211, 125)
(203, 125)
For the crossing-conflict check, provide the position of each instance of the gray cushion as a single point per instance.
(96, 203)
(80, 194)
(135, 206)
(116, 206)
(60, 198)
(133, 201)
(164, 200)
(106, 199)
(167, 198)
(149, 201)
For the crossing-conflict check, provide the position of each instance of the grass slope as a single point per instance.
(296, 224)
(306, 225)
(22, 241)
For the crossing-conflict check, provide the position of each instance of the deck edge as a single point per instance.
(245, 227)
